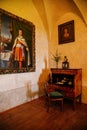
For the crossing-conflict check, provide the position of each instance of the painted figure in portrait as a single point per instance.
(65, 33)
(19, 48)
(17, 44)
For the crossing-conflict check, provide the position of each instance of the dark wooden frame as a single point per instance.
(30, 28)
(69, 26)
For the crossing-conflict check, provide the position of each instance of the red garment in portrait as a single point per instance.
(18, 54)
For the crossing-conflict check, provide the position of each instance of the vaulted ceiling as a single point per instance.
(51, 10)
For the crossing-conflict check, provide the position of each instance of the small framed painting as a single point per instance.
(66, 32)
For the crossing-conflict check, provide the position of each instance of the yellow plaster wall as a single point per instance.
(16, 89)
(26, 10)
(76, 51)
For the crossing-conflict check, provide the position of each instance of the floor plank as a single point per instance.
(34, 116)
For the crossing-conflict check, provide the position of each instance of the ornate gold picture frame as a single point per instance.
(17, 44)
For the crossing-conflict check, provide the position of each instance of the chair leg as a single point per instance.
(48, 107)
(62, 105)
(48, 104)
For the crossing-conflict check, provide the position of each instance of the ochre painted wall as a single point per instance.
(16, 89)
(75, 51)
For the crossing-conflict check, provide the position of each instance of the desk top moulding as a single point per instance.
(17, 44)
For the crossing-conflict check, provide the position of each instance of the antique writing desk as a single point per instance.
(68, 81)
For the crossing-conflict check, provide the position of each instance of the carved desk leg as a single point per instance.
(80, 98)
(75, 100)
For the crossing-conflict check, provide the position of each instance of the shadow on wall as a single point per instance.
(30, 93)
(43, 78)
(28, 90)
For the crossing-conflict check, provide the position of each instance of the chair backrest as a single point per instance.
(45, 88)
(48, 88)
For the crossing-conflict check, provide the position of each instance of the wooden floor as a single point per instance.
(33, 116)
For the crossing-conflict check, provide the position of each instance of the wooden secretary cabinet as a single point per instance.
(68, 81)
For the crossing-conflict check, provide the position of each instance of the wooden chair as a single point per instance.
(52, 95)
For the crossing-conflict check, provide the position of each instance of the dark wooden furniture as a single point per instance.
(68, 81)
(52, 96)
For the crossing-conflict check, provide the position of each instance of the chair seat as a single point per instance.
(52, 95)
(56, 94)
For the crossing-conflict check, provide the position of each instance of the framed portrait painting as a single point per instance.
(17, 44)
(66, 32)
